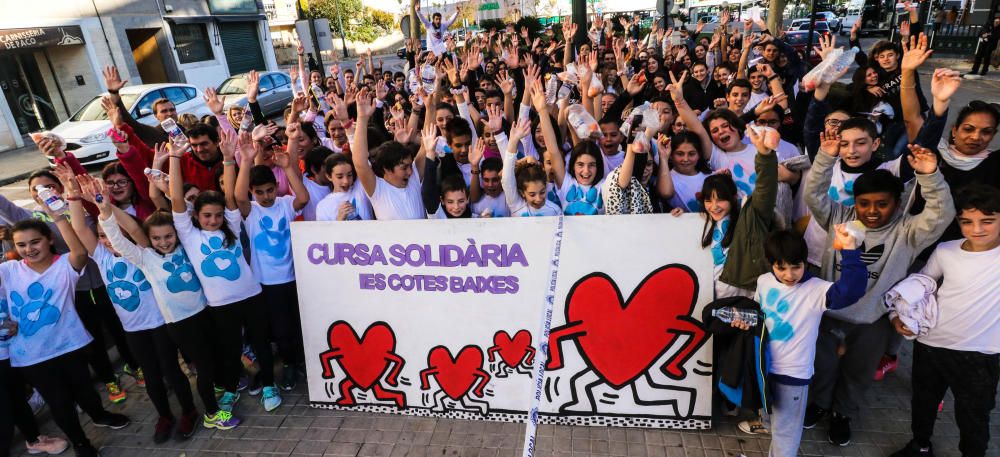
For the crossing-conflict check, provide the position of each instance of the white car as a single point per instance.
(86, 132)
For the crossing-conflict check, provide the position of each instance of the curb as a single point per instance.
(12, 179)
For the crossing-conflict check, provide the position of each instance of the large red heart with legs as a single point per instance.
(363, 359)
(620, 339)
(456, 375)
(512, 350)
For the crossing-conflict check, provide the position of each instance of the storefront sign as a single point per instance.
(516, 319)
(40, 37)
(232, 6)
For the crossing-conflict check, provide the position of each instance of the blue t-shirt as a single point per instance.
(42, 306)
(129, 290)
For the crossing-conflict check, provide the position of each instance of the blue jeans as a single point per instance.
(787, 413)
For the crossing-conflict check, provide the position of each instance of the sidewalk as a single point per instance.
(295, 429)
(17, 164)
(960, 64)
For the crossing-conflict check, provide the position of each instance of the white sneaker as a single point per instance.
(47, 445)
(972, 76)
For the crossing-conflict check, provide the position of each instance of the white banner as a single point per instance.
(445, 318)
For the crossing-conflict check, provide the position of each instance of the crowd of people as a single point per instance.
(818, 200)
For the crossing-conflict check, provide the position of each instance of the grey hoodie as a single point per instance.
(887, 251)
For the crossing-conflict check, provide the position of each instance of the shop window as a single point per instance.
(191, 42)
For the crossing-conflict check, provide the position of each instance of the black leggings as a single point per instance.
(283, 313)
(250, 314)
(193, 337)
(157, 356)
(96, 310)
(14, 408)
(64, 381)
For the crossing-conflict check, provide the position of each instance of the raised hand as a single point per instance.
(904, 28)
(402, 132)
(676, 86)
(160, 155)
(506, 82)
(253, 86)
(765, 139)
(112, 79)
(769, 103)
(365, 105)
(214, 103)
(538, 96)
(495, 119)
(299, 48)
(381, 90)
(264, 131)
(122, 146)
(452, 72)
(921, 159)
(337, 106)
(635, 85)
(945, 83)
(477, 151)
(67, 177)
(227, 143)
(842, 238)
(428, 141)
(111, 108)
(826, 44)
(521, 129)
(916, 51)
(51, 148)
(829, 142)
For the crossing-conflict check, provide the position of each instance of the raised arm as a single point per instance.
(817, 182)
(289, 163)
(227, 145)
(359, 152)
(926, 227)
(548, 131)
(664, 182)
(915, 52)
(765, 191)
(247, 158)
(77, 215)
(687, 114)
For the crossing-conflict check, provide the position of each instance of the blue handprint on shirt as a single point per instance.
(845, 197)
(272, 242)
(182, 277)
(35, 312)
(694, 206)
(221, 262)
(744, 182)
(583, 203)
(776, 309)
(718, 251)
(123, 291)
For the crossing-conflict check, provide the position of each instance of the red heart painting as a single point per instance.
(512, 350)
(456, 375)
(620, 339)
(365, 359)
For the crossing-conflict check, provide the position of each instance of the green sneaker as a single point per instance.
(229, 400)
(222, 420)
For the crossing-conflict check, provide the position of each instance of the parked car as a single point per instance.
(835, 22)
(797, 24)
(797, 40)
(401, 52)
(803, 25)
(86, 132)
(274, 95)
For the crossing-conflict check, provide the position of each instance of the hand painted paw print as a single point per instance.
(273, 242)
(694, 205)
(846, 197)
(775, 308)
(553, 197)
(182, 277)
(744, 181)
(221, 262)
(718, 251)
(34, 312)
(123, 291)
(583, 203)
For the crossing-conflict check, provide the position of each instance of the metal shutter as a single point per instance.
(242, 47)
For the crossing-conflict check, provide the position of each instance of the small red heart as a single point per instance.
(620, 339)
(365, 359)
(512, 350)
(456, 375)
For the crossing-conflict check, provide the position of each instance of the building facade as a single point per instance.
(51, 57)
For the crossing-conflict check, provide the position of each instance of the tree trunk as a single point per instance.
(414, 24)
(775, 16)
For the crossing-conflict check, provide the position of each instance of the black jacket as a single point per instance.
(739, 355)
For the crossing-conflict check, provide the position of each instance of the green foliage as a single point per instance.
(362, 23)
(533, 25)
(487, 24)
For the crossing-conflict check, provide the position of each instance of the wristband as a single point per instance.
(113, 92)
(228, 163)
(475, 172)
(772, 77)
(177, 156)
(73, 199)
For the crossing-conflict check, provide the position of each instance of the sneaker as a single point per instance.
(271, 398)
(219, 390)
(242, 383)
(161, 433)
(840, 430)
(887, 365)
(229, 400)
(753, 427)
(814, 414)
(185, 427)
(255, 387)
(115, 392)
(86, 450)
(972, 76)
(112, 421)
(288, 378)
(47, 445)
(913, 449)
(222, 420)
(136, 373)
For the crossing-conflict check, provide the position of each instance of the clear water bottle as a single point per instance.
(815, 76)
(51, 198)
(842, 62)
(640, 144)
(728, 315)
(154, 174)
(428, 77)
(246, 124)
(6, 327)
(177, 137)
(551, 90)
(582, 122)
(413, 81)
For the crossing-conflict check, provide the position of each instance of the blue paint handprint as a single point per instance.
(182, 277)
(719, 252)
(34, 312)
(583, 203)
(744, 182)
(221, 262)
(123, 291)
(694, 206)
(844, 197)
(553, 197)
(776, 309)
(273, 242)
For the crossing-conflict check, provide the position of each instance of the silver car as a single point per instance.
(274, 95)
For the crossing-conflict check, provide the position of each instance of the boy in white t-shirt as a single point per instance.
(268, 220)
(961, 353)
(793, 302)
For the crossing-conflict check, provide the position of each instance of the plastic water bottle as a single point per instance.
(413, 80)
(246, 124)
(177, 137)
(816, 75)
(728, 315)
(842, 62)
(640, 144)
(428, 77)
(551, 90)
(50, 198)
(582, 122)
(155, 174)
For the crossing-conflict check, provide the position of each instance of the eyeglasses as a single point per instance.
(833, 122)
(118, 183)
(768, 123)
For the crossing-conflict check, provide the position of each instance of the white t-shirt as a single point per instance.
(225, 276)
(792, 315)
(391, 203)
(497, 206)
(42, 305)
(316, 194)
(269, 230)
(578, 199)
(328, 209)
(612, 162)
(740, 165)
(129, 291)
(686, 190)
(968, 299)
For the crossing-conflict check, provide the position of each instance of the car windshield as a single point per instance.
(93, 111)
(234, 85)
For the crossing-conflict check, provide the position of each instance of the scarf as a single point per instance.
(958, 160)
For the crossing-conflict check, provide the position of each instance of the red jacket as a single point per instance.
(200, 175)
